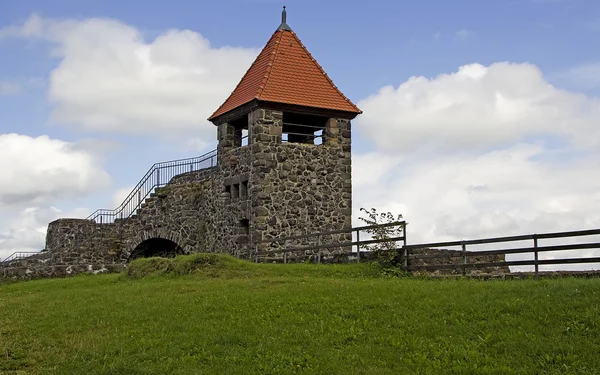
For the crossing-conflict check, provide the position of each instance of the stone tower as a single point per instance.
(282, 168)
(284, 146)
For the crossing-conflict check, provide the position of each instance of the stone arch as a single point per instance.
(157, 243)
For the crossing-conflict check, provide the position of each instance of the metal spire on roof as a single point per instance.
(284, 25)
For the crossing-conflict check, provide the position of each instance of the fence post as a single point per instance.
(405, 253)
(284, 257)
(357, 246)
(535, 254)
(464, 255)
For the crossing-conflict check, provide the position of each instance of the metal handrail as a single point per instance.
(18, 255)
(157, 176)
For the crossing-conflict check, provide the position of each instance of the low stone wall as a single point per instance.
(454, 258)
(48, 265)
(451, 258)
(54, 271)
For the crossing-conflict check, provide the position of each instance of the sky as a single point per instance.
(481, 118)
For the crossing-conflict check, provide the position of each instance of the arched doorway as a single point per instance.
(156, 247)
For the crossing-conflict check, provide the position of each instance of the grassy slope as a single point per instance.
(239, 318)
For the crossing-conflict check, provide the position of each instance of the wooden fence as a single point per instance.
(317, 245)
(409, 254)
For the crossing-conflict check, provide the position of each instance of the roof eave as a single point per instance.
(234, 113)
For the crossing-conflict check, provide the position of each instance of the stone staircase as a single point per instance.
(181, 179)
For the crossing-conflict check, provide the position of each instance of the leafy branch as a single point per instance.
(383, 249)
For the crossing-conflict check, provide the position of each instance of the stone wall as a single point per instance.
(78, 241)
(454, 258)
(299, 188)
(46, 265)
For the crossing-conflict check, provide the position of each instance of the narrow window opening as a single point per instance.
(235, 191)
(240, 132)
(244, 189)
(245, 136)
(245, 225)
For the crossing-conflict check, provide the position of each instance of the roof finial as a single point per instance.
(284, 25)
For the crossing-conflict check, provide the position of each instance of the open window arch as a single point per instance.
(303, 128)
(240, 133)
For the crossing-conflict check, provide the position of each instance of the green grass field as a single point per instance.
(233, 317)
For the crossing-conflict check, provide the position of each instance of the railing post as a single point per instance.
(357, 246)
(157, 176)
(535, 255)
(464, 256)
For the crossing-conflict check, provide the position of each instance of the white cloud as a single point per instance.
(8, 88)
(25, 230)
(477, 107)
(40, 170)
(119, 197)
(111, 80)
(482, 152)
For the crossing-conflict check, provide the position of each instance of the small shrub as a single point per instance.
(385, 251)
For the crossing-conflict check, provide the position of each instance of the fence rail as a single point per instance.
(409, 255)
(400, 225)
(18, 255)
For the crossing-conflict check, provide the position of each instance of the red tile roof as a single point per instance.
(285, 72)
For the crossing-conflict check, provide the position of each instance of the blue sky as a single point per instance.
(448, 88)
